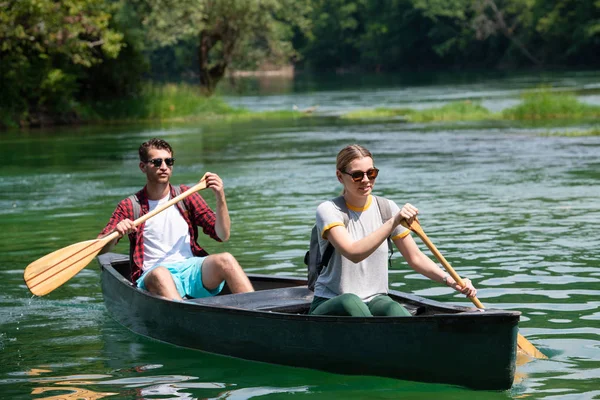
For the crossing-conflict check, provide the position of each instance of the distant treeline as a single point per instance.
(60, 60)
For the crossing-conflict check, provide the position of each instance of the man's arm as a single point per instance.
(223, 222)
(119, 222)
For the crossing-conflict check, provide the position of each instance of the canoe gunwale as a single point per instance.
(446, 312)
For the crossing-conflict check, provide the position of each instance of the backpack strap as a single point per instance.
(341, 203)
(177, 190)
(137, 210)
(137, 206)
(386, 214)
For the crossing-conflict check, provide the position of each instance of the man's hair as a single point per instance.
(156, 144)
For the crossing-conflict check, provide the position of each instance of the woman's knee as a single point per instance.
(353, 305)
(386, 306)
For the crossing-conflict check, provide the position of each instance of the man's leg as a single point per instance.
(160, 281)
(217, 268)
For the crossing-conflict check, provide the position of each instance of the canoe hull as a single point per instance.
(462, 349)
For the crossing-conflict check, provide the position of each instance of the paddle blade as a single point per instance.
(528, 348)
(51, 271)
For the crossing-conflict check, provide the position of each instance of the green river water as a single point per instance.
(514, 209)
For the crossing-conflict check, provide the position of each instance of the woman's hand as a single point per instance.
(408, 212)
(467, 289)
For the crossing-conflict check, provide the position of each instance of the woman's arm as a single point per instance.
(422, 264)
(357, 250)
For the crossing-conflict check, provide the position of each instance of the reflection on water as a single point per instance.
(73, 393)
(157, 386)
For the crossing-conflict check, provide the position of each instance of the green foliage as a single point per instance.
(59, 58)
(172, 102)
(45, 45)
(539, 105)
(545, 104)
(455, 111)
(160, 102)
(226, 33)
(396, 34)
(337, 28)
(576, 133)
(379, 113)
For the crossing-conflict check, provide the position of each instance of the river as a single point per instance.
(511, 207)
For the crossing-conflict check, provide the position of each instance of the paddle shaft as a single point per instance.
(525, 345)
(416, 227)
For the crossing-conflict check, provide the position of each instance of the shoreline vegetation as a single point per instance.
(535, 105)
(185, 103)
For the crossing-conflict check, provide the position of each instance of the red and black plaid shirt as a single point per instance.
(198, 213)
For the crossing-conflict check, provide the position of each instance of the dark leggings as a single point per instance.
(349, 304)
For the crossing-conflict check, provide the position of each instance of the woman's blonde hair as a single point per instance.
(349, 154)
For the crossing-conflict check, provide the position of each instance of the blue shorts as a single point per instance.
(187, 275)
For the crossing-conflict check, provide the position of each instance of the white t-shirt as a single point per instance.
(166, 236)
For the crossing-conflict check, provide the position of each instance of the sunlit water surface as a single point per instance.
(515, 210)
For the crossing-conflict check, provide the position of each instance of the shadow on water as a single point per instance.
(133, 367)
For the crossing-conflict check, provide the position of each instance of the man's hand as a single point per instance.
(125, 227)
(214, 182)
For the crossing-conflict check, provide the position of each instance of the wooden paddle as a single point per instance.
(51, 271)
(524, 345)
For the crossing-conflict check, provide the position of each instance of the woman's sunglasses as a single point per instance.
(157, 162)
(357, 176)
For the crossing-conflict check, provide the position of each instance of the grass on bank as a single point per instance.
(576, 133)
(179, 102)
(549, 105)
(172, 102)
(539, 105)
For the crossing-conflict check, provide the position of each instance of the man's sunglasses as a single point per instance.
(157, 162)
(357, 176)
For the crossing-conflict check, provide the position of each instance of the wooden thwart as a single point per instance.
(523, 344)
(53, 270)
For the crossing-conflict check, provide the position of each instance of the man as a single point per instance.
(166, 257)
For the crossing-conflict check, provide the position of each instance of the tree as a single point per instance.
(226, 32)
(337, 28)
(507, 19)
(44, 47)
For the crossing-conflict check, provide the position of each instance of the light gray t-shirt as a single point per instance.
(367, 278)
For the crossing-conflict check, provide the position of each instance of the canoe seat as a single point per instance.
(288, 300)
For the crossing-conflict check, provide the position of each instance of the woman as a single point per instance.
(355, 282)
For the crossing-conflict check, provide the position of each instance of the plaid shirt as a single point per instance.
(198, 213)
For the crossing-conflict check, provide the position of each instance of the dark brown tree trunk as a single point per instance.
(210, 75)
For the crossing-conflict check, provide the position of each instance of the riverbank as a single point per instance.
(164, 103)
(185, 103)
